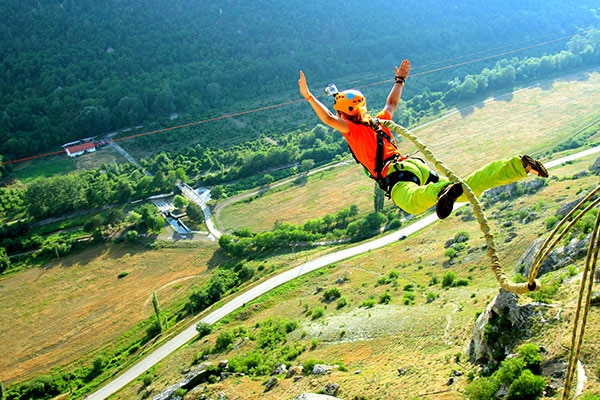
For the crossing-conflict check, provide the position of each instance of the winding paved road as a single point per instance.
(251, 294)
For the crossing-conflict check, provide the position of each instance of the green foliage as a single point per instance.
(385, 298)
(408, 298)
(331, 294)
(194, 212)
(318, 312)
(461, 237)
(509, 370)
(4, 260)
(224, 340)
(526, 386)
(271, 348)
(448, 279)
(481, 389)
(244, 243)
(368, 303)
(551, 222)
(450, 252)
(180, 201)
(383, 280)
(43, 387)
(367, 227)
(132, 236)
(513, 373)
(461, 282)
(547, 291)
(46, 107)
(203, 328)
(273, 331)
(530, 353)
(431, 297)
(153, 330)
(589, 396)
(309, 365)
(98, 366)
(500, 336)
(342, 302)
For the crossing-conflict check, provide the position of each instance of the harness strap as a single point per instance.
(392, 178)
(387, 183)
(381, 137)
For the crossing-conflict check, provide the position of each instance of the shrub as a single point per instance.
(132, 236)
(526, 387)
(309, 365)
(408, 298)
(147, 380)
(180, 393)
(434, 280)
(509, 370)
(318, 312)
(532, 358)
(385, 297)
(481, 389)
(551, 222)
(450, 253)
(461, 237)
(368, 303)
(203, 328)
(462, 282)
(224, 340)
(342, 302)
(332, 294)
(448, 279)
(394, 274)
(153, 330)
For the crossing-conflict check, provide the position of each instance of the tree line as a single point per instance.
(262, 160)
(78, 69)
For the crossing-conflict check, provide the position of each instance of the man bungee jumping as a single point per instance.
(410, 184)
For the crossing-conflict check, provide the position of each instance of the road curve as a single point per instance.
(188, 334)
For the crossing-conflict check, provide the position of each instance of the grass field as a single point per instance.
(47, 167)
(76, 307)
(530, 121)
(428, 340)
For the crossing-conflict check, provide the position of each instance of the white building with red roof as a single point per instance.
(79, 149)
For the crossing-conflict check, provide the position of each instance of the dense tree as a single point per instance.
(4, 261)
(65, 76)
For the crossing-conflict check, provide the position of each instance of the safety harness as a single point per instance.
(387, 183)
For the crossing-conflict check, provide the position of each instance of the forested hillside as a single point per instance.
(72, 69)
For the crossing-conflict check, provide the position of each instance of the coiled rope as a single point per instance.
(501, 276)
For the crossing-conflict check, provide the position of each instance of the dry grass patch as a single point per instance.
(77, 305)
(325, 192)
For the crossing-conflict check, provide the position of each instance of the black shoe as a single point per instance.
(446, 199)
(533, 166)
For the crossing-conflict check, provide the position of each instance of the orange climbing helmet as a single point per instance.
(351, 102)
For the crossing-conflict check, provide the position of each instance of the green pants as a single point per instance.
(416, 199)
